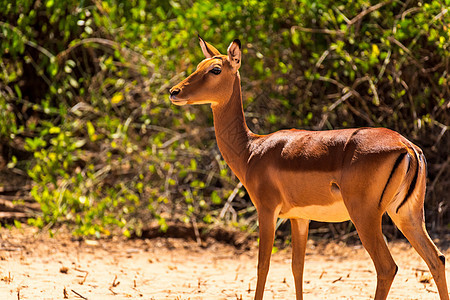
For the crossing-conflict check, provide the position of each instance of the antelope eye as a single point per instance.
(216, 70)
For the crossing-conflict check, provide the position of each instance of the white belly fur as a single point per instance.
(336, 212)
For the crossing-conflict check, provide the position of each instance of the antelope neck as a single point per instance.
(232, 134)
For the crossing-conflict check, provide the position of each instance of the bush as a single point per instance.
(84, 88)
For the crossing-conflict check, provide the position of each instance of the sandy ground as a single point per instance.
(34, 266)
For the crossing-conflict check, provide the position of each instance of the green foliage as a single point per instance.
(83, 87)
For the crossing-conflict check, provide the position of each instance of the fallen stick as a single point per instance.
(79, 295)
(336, 280)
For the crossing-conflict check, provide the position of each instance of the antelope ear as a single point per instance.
(234, 54)
(208, 49)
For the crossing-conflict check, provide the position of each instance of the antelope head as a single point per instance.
(212, 82)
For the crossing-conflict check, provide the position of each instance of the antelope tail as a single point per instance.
(413, 181)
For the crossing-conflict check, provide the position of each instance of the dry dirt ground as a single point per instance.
(34, 266)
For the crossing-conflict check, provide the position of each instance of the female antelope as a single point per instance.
(332, 176)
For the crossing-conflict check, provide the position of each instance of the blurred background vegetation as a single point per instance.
(87, 130)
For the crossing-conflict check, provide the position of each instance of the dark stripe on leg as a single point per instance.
(442, 258)
(426, 165)
(413, 182)
(397, 163)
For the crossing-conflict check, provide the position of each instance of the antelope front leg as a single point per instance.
(267, 221)
(299, 229)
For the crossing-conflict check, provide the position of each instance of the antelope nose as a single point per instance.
(174, 91)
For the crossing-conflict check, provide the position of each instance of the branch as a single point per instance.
(366, 12)
(404, 48)
(100, 41)
(441, 171)
(26, 41)
(229, 200)
(438, 16)
(317, 30)
(106, 42)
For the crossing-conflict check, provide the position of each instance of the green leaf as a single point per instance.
(117, 98)
(193, 165)
(295, 38)
(18, 91)
(17, 224)
(215, 199)
(53, 69)
(91, 130)
(54, 130)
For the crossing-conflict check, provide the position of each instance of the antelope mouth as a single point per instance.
(178, 101)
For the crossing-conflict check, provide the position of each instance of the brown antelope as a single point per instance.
(332, 176)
